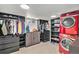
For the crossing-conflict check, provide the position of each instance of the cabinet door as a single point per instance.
(1, 40)
(38, 39)
(28, 39)
(35, 38)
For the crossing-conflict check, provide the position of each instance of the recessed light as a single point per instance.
(53, 16)
(24, 6)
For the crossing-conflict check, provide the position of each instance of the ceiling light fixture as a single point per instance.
(53, 16)
(24, 6)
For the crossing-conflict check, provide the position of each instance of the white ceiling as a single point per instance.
(47, 10)
(44, 11)
(12, 8)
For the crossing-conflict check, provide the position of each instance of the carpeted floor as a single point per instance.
(41, 48)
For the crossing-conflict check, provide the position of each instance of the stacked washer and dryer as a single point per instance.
(69, 30)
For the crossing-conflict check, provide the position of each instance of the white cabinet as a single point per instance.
(32, 38)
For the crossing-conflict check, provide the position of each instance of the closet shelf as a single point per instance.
(55, 39)
(55, 23)
(55, 26)
(55, 31)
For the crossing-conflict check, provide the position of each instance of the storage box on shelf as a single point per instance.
(55, 23)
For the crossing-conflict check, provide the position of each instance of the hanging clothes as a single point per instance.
(19, 27)
(1, 22)
(23, 27)
(15, 27)
(12, 26)
(4, 29)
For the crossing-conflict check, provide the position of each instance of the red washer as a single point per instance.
(69, 22)
(65, 41)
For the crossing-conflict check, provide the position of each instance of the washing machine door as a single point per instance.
(68, 22)
(65, 43)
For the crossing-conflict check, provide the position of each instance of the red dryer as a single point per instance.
(69, 22)
(65, 42)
